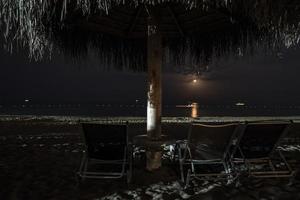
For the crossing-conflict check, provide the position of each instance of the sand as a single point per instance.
(39, 160)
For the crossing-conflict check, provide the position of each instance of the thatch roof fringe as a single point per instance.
(32, 23)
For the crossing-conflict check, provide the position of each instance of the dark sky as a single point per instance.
(256, 80)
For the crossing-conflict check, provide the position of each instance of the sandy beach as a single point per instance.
(39, 160)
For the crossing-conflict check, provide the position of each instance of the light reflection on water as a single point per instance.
(139, 110)
(194, 112)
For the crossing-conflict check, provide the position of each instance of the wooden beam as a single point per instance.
(102, 29)
(208, 28)
(134, 20)
(176, 21)
(99, 28)
(206, 24)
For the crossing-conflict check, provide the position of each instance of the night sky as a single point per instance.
(257, 80)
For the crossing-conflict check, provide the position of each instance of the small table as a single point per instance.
(144, 141)
(143, 144)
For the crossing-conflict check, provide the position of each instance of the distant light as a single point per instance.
(26, 100)
(195, 81)
(136, 100)
(240, 104)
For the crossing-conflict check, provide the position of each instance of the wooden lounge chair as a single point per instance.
(107, 148)
(256, 150)
(206, 153)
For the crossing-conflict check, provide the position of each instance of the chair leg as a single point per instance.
(248, 167)
(285, 161)
(293, 177)
(227, 172)
(129, 171)
(188, 178)
(181, 170)
(82, 164)
(225, 167)
(123, 167)
(129, 176)
(180, 164)
(271, 165)
(175, 152)
(85, 168)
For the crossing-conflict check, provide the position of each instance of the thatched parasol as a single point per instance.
(140, 34)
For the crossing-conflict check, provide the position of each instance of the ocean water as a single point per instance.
(137, 110)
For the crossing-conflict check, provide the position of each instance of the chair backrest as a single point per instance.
(259, 139)
(105, 141)
(213, 138)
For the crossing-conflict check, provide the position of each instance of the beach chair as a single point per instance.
(107, 152)
(256, 149)
(206, 153)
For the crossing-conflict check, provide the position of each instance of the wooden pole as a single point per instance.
(154, 56)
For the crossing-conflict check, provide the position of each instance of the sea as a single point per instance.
(140, 110)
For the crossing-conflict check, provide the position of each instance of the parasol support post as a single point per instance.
(154, 61)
